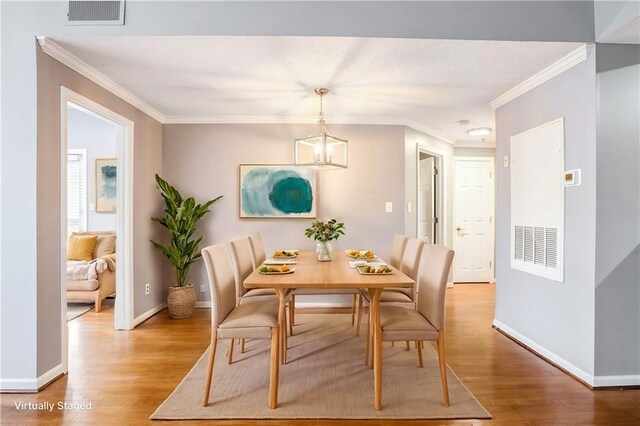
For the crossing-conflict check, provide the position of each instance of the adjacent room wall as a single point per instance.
(413, 140)
(617, 271)
(474, 152)
(557, 319)
(98, 137)
(202, 161)
(147, 160)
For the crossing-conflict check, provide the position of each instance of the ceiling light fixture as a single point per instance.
(479, 131)
(321, 149)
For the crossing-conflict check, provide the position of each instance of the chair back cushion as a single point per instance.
(241, 255)
(221, 282)
(411, 262)
(397, 250)
(432, 286)
(257, 248)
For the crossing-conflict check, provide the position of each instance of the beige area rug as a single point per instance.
(325, 378)
(76, 309)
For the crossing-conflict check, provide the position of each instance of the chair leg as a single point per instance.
(293, 315)
(275, 368)
(98, 303)
(353, 310)
(360, 304)
(212, 355)
(443, 368)
(371, 332)
(408, 345)
(241, 346)
(367, 340)
(419, 346)
(292, 307)
(230, 357)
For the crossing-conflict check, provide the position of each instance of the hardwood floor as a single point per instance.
(126, 375)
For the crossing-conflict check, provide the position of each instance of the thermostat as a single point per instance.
(572, 177)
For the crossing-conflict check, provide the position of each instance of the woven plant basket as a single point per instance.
(181, 301)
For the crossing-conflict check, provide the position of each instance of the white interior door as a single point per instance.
(473, 236)
(426, 202)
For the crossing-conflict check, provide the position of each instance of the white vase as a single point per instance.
(323, 251)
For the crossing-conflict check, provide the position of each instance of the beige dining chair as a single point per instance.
(427, 322)
(397, 250)
(243, 263)
(231, 321)
(410, 265)
(257, 250)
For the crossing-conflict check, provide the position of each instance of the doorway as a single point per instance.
(77, 185)
(473, 212)
(429, 208)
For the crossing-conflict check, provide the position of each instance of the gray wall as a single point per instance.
(202, 161)
(21, 21)
(147, 160)
(98, 137)
(557, 316)
(617, 272)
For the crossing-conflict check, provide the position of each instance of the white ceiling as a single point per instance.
(431, 83)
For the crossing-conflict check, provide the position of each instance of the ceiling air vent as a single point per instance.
(95, 12)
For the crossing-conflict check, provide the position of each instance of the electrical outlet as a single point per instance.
(409, 207)
(147, 288)
(388, 207)
(202, 289)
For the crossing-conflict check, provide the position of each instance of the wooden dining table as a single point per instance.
(309, 273)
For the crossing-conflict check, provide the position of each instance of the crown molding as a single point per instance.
(59, 53)
(563, 64)
(383, 121)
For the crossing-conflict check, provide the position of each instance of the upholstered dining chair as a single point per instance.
(243, 263)
(257, 250)
(397, 250)
(231, 321)
(427, 322)
(410, 265)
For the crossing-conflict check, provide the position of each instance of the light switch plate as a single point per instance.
(388, 207)
(505, 161)
(572, 177)
(202, 288)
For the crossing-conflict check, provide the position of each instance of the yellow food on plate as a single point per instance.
(368, 254)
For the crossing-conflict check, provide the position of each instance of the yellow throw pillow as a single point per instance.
(80, 247)
(105, 245)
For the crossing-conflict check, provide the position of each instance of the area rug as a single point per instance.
(325, 378)
(76, 309)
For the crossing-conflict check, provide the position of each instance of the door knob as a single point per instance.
(459, 228)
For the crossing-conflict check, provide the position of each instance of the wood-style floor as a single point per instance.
(126, 375)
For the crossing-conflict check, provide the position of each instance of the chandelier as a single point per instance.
(321, 149)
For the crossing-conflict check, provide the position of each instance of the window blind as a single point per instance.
(76, 190)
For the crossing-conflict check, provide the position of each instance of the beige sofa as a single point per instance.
(95, 290)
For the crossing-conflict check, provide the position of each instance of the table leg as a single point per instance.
(377, 348)
(282, 324)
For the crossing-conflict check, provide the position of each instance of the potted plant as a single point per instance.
(323, 233)
(180, 218)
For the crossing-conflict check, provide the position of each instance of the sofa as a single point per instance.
(91, 266)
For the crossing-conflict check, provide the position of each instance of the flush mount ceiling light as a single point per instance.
(479, 131)
(321, 149)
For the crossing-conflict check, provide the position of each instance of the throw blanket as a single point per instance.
(78, 270)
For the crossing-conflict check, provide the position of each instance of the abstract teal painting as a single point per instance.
(277, 191)
(106, 184)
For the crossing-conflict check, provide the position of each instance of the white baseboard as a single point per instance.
(450, 284)
(31, 385)
(607, 381)
(546, 354)
(203, 305)
(151, 312)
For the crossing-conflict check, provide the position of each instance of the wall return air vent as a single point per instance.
(537, 200)
(95, 12)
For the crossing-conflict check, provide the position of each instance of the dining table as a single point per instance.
(338, 274)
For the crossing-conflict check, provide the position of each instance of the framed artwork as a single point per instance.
(277, 191)
(106, 184)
